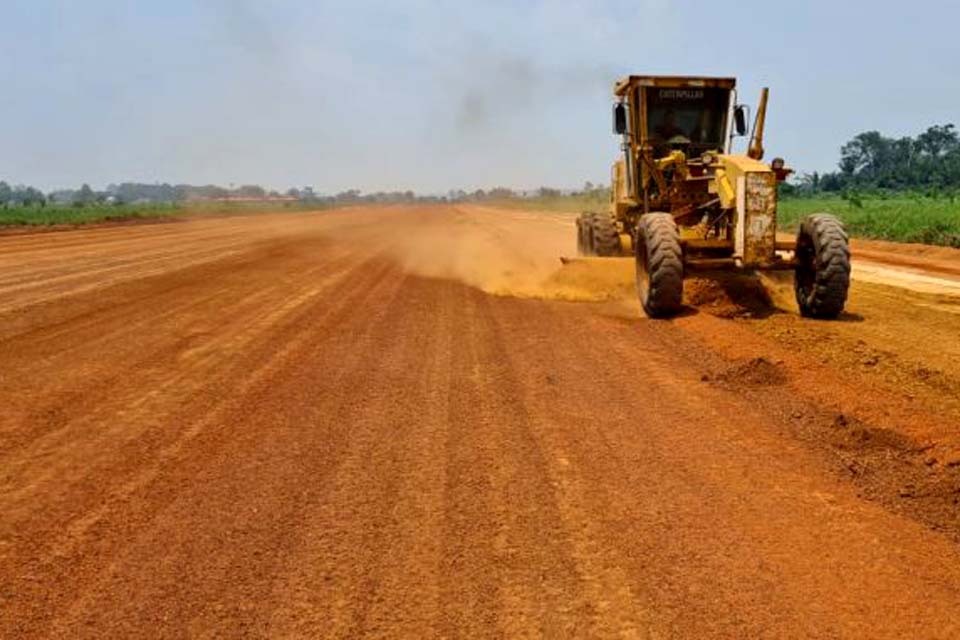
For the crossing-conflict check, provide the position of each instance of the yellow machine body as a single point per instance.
(677, 135)
(681, 200)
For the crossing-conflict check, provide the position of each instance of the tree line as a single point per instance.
(140, 193)
(871, 161)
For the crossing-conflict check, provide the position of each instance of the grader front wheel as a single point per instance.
(822, 275)
(659, 265)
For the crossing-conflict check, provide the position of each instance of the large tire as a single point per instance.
(605, 237)
(822, 276)
(659, 265)
(584, 233)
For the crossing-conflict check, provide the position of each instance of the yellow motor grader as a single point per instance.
(680, 201)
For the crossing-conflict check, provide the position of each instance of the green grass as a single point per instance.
(898, 218)
(50, 215)
(217, 207)
(573, 203)
(55, 215)
(901, 218)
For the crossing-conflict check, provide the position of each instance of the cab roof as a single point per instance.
(625, 84)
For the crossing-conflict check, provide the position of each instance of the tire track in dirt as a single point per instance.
(160, 454)
(257, 495)
(681, 467)
(303, 436)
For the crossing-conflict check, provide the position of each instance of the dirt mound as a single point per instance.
(729, 295)
(593, 279)
(757, 372)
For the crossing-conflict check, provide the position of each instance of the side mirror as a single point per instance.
(619, 118)
(740, 119)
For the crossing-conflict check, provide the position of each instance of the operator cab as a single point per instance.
(690, 119)
(690, 114)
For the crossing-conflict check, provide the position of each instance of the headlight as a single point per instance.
(708, 158)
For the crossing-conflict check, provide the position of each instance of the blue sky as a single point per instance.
(434, 95)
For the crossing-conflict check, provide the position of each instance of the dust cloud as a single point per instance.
(516, 253)
(494, 88)
(510, 253)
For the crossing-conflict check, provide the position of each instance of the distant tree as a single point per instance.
(26, 196)
(832, 182)
(251, 191)
(873, 162)
(548, 192)
(165, 193)
(348, 196)
(36, 196)
(864, 153)
(84, 196)
(6, 193)
(805, 184)
(938, 141)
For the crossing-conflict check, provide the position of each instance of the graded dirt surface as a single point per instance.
(413, 422)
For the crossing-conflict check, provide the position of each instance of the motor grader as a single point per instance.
(681, 201)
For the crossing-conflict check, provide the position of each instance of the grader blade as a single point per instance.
(578, 260)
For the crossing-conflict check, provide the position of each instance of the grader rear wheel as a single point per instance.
(659, 265)
(584, 233)
(822, 277)
(605, 238)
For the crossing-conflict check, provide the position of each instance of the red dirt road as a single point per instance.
(411, 422)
